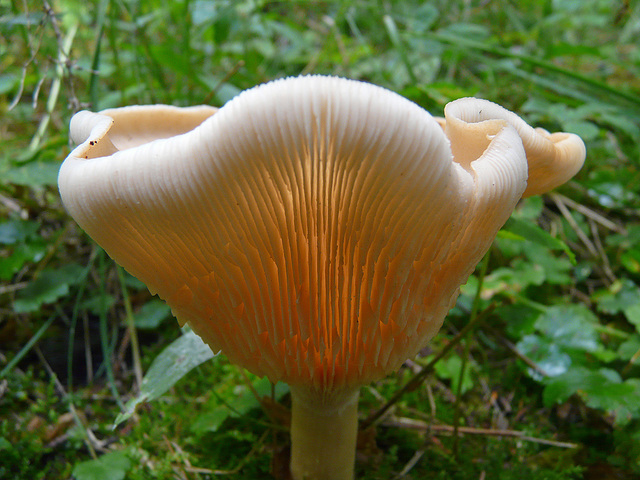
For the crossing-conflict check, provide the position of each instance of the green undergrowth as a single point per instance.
(545, 386)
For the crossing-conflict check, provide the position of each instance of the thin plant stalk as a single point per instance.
(463, 365)
(95, 62)
(392, 31)
(104, 337)
(131, 327)
(74, 319)
(72, 409)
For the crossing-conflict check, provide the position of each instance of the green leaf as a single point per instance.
(173, 363)
(22, 253)
(531, 232)
(622, 296)
(110, 466)
(48, 287)
(579, 379)
(600, 389)
(529, 209)
(565, 334)
(8, 82)
(33, 174)
(556, 269)
(152, 314)
(631, 260)
(449, 369)
(629, 348)
(545, 354)
(99, 304)
(519, 319)
(520, 276)
(210, 421)
(585, 129)
(16, 231)
(5, 444)
(570, 327)
(262, 386)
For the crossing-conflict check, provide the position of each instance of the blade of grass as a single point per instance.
(474, 313)
(394, 36)
(95, 62)
(27, 347)
(133, 334)
(74, 319)
(186, 49)
(54, 92)
(463, 43)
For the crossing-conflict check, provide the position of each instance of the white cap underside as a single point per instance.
(315, 229)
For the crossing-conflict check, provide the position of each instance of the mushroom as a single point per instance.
(314, 229)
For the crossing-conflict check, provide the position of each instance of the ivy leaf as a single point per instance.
(48, 287)
(519, 277)
(623, 296)
(563, 334)
(110, 466)
(600, 389)
(15, 231)
(22, 253)
(531, 232)
(629, 348)
(99, 304)
(519, 319)
(211, 420)
(449, 369)
(152, 314)
(546, 354)
(33, 174)
(570, 327)
(173, 363)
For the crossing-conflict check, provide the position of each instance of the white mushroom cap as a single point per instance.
(552, 158)
(315, 229)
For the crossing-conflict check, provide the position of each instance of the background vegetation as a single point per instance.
(546, 386)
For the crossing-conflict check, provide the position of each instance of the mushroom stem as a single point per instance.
(323, 437)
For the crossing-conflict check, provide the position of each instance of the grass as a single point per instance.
(552, 370)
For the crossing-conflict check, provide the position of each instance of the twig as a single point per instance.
(88, 358)
(223, 80)
(12, 205)
(408, 423)
(606, 266)
(410, 464)
(634, 358)
(574, 225)
(13, 287)
(90, 439)
(587, 212)
(530, 363)
(64, 47)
